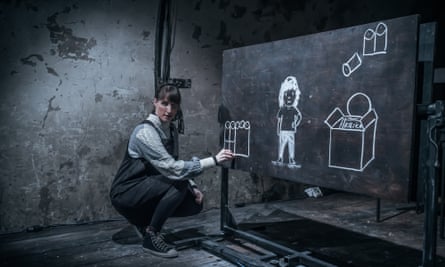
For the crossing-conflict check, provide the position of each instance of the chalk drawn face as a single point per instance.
(289, 92)
(289, 97)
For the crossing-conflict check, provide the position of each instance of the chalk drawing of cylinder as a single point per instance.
(381, 38)
(351, 65)
(375, 41)
(368, 42)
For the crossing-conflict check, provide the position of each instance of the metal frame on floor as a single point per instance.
(286, 256)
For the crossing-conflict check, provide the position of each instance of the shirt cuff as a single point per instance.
(207, 163)
(192, 183)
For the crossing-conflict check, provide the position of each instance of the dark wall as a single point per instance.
(76, 76)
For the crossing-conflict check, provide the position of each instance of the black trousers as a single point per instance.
(152, 200)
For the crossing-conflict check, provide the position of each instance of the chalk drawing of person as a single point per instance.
(289, 117)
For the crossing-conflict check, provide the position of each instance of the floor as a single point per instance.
(338, 228)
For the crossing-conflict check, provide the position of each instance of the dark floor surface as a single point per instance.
(339, 228)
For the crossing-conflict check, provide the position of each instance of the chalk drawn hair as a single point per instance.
(290, 83)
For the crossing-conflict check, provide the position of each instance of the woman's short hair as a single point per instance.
(170, 92)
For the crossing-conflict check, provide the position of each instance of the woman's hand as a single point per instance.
(198, 195)
(223, 155)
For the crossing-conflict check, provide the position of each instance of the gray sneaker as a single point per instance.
(155, 244)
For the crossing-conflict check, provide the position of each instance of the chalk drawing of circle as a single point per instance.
(358, 104)
(381, 29)
(247, 125)
(232, 125)
(369, 34)
(237, 125)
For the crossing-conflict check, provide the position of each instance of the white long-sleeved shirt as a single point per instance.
(146, 142)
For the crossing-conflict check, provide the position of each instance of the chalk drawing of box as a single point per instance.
(237, 137)
(352, 135)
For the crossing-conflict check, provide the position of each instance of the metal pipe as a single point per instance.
(303, 257)
(435, 121)
(224, 197)
(429, 253)
(442, 188)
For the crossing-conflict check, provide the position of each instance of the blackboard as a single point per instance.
(352, 126)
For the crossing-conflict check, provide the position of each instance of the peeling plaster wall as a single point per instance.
(76, 76)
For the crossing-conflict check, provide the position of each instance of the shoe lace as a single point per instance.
(161, 236)
(159, 242)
